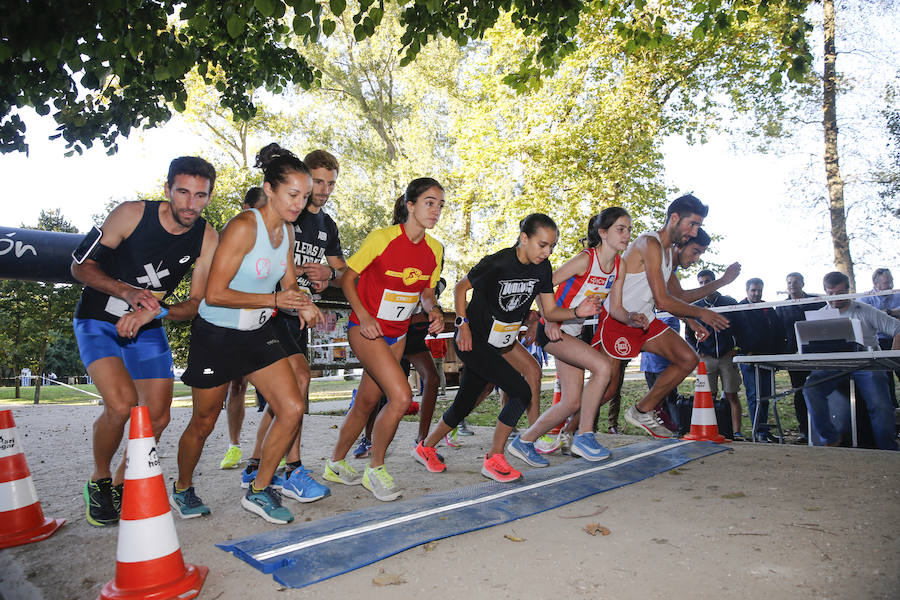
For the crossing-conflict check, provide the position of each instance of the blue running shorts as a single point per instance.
(146, 356)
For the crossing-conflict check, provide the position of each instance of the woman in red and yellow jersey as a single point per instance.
(398, 267)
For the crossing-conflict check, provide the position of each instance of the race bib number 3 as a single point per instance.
(253, 318)
(503, 334)
(397, 306)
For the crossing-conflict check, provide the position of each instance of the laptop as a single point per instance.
(829, 335)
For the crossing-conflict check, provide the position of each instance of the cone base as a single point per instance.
(704, 437)
(34, 534)
(187, 586)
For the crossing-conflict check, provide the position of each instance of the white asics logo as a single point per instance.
(184, 259)
(208, 371)
(153, 275)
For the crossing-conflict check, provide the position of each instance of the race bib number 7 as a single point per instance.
(397, 306)
(253, 318)
(503, 334)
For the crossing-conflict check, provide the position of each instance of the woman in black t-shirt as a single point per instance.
(504, 286)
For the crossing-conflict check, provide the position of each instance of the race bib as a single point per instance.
(118, 307)
(397, 306)
(503, 334)
(253, 318)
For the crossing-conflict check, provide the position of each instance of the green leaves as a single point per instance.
(265, 7)
(337, 8)
(236, 24)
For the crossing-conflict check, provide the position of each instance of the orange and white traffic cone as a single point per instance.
(557, 396)
(703, 417)
(21, 519)
(148, 558)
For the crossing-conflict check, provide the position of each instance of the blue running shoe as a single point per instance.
(364, 448)
(303, 488)
(187, 504)
(247, 478)
(267, 504)
(525, 451)
(586, 446)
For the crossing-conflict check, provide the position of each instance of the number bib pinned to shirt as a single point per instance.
(397, 306)
(503, 334)
(253, 318)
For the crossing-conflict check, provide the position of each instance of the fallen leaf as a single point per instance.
(675, 472)
(812, 508)
(594, 529)
(660, 540)
(334, 427)
(513, 538)
(734, 495)
(430, 546)
(388, 579)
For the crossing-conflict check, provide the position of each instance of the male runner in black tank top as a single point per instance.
(146, 248)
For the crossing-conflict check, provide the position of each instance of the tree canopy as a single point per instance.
(103, 68)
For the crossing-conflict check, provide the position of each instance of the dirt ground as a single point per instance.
(760, 520)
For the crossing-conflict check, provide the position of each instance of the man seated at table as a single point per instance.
(872, 384)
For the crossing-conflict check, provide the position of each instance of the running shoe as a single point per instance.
(100, 509)
(429, 457)
(413, 408)
(341, 472)
(303, 488)
(187, 504)
(565, 443)
(364, 448)
(267, 504)
(547, 444)
(649, 422)
(525, 451)
(248, 477)
(452, 438)
(497, 468)
(586, 446)
(281, 464)
(232, 458)
(117, 496)
(464, 429)
(739, 437)
(612, 429)
(665, 418)
(381, 484)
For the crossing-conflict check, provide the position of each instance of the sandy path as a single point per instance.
(761, 520)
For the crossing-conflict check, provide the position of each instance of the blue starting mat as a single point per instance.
(311, 552)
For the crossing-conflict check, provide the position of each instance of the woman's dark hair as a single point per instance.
(604, 220)
(276, 163)
(529, 225)
(416, 188)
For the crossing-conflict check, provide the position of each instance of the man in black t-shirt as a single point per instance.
(142, 252)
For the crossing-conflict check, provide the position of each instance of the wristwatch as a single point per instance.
(459, 321)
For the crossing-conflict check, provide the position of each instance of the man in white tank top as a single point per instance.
(629, 325)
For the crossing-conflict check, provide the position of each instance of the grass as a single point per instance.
(485, 414)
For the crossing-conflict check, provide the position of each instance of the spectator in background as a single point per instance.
(889, 303)
(438, 349)
(758, 331)
(790, 315)
(822, 393)
(718, 351)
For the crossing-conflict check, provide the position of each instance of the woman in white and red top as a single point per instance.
(590, 274)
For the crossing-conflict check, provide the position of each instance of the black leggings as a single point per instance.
(485, 364)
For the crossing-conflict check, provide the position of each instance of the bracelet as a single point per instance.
(163, 311)
(333, 273)
(275, 298)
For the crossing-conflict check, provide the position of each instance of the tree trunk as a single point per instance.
(842, 260)
(37, 386)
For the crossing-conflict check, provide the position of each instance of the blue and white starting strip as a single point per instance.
(310, 552)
